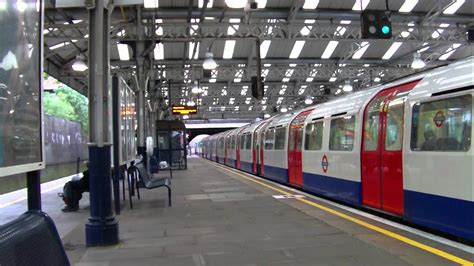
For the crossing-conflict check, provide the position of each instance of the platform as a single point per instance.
(220, 217)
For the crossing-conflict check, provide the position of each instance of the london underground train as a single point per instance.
(402, 148)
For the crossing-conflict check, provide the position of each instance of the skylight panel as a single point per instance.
(191, 50)
(360, 5)
(312, 74)
(408, 6)
(124, 55)
(201, 3)
(361, 51)
(450, 51)
(59, 45)
(236, 108)
(243, 92)
(285, 80)
(150, 3)
(264, 100)
(310, 4)
(282, 91)
(224, 92)
(302, 89)
(229, 49)
(279, 100)
(297, 47)
(265, 72)
(231, 100)
(264, 107)
(247, 100)
(261, 3)
(250, 107)
(159, 52)
(264, 46)
(392, 50)
(424, 49)
(329, 49)
(454, 7)
(306, 30)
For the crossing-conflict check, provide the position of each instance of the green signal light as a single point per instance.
(385, 29)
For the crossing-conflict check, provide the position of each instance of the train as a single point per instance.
(402, 148)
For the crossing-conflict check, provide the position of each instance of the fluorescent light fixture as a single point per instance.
(151, 3)
(229, 49)
(158, 52)
(124, 55)
(329, 49)
(79, 65)
(297, 47)
(201, 3)
(347, 86)
(310, 79)
(185, 117)
(359, 53)
(191, 49)
(454, 7)
(283, 109)
(408, 6)
(392, 50)
(266, 116)
(212, 81)
(308, 100)
(237, 80)
(310, 4)
(450, 51)
(59, 45)
(405, 34)
(377, 79)
(209, 62)
(236, 3)
(360, 5)
(417, 61)
(264, 46)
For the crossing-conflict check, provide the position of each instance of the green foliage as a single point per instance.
(66, 103)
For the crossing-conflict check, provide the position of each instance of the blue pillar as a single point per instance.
(33, 183)
(102, 228)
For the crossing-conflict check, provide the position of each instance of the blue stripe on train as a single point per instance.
(245, 166)
(230, 162)
(336, 188)
(450, 215)
(276, 173)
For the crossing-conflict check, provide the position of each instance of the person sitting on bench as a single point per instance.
(72, 191)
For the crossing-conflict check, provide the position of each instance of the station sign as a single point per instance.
(183, 110)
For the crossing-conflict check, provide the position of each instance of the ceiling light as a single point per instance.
(150, 3)
(329, 49)
(191, 50)
(297, 47)
(195, 89)
(236, 3)
(417, 61)
(392, 50)
(228, 49)
(308, 100)
(347, 86)
(261, 3)
(190, 103)
(79, 64)
(283, 109)
(209, 62)
(266, 116)
(454, 7)
(408, 6)
(185, 116)
(159, 52)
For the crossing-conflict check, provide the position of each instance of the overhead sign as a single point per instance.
(183, 110)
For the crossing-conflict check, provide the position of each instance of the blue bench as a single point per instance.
(31, 239)
(139, 178)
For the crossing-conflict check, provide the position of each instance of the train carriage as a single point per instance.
(247, 149)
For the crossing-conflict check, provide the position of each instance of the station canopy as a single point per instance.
(309, 49)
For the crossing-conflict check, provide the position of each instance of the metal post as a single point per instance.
(33, 182)
(102, 228)
(141, 147)
(116, 142)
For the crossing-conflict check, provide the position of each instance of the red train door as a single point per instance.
(254, 152)
(237, 151)
(295, 143)
(381, 153)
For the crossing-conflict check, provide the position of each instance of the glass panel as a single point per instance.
(248, 141)
(163, 140)
(371, 126)
(394, 126)
(177, 139)
(314, 136)
(300, 138)
(291, 139)
(242, 142)
(269, 139)
(342, 134)
(443, 125)
(280, 138)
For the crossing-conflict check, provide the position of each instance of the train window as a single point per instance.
(248, 141)
(371, 125)
(242, 142)
(442, 125)
(314, 136)
(341, 136)
(394, 125)
(280, 136)
(269, 139)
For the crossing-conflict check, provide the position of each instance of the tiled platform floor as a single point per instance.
(219, 218)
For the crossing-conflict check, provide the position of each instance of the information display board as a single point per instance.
(183, 110)
(21, 140)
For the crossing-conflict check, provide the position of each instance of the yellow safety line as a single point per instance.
(362, 223)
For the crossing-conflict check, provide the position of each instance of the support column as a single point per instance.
(33, 183)
(102, 228)
(140, 49)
